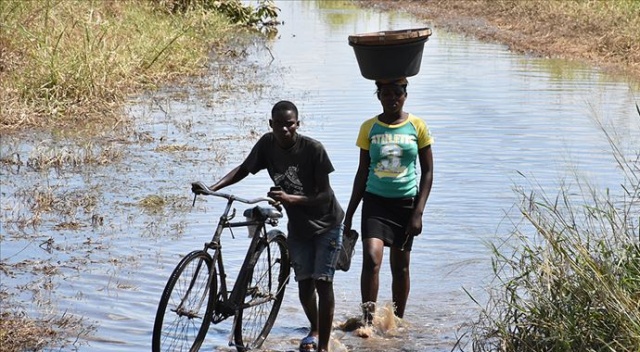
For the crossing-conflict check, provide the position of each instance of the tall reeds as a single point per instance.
(568, 277)
(66, 63)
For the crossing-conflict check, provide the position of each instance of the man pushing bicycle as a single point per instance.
(299, 167)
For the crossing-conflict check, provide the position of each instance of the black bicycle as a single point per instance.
(197, 295)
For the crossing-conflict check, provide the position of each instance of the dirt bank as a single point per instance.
(600, 33)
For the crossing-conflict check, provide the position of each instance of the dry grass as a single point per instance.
(19, 332)
(72, 63)
(171, 148)
(34, 205)
(155, 203)
(45, 156)
(602, 33)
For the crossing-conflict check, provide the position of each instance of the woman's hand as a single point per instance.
(347, 225)
(414, 227)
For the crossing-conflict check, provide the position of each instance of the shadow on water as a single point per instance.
(93, 228)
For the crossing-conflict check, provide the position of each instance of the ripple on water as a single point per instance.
(499, 120)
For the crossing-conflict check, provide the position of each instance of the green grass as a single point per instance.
(568, 277)
(70, 63)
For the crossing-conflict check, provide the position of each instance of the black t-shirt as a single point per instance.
(295, 170)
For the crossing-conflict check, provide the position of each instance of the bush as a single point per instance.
(265, 12)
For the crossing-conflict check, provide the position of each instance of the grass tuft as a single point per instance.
(568, 277)
(18, 332)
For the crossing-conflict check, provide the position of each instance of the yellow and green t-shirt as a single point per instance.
(393, 150)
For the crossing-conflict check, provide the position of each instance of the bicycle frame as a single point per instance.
(228, 301)
(194, 293)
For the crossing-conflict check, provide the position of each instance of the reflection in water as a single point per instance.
(494, 115)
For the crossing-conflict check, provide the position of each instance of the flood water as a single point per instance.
(495, 116)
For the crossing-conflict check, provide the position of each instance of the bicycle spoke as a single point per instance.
(192, 300)
(182, 310)
(263, 296)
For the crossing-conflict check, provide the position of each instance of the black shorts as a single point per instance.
(386, 219)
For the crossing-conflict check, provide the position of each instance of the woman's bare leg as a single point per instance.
(369, 278)
(401, 282)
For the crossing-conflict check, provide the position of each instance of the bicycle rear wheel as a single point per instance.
(267, 275)
(184, 311)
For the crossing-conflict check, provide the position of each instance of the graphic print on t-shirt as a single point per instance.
(391, 151)
(289, 180)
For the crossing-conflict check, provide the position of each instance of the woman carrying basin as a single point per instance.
(388, 181)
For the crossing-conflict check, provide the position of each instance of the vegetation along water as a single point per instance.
(567, 279)
(68, 68)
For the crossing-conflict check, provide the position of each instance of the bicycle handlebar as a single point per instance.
(199, 188)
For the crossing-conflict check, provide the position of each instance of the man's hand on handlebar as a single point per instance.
(276, 193)
(276, 204)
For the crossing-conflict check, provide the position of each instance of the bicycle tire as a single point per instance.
(184, 310)
(266, 277)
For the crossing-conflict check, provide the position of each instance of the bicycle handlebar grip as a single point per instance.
(198, 188)
(276, 205)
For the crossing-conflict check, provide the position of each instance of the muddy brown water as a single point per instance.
(495, 116)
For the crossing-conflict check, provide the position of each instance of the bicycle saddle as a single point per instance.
(259, 213)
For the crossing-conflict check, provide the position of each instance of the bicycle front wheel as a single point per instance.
(183, 315)
(266, 278)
